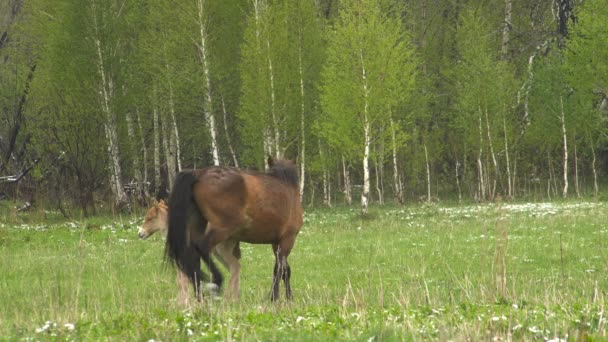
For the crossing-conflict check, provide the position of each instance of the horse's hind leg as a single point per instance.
(191, 267)
(276, 276)
(282, 270)
(284, 249)
(204, 246)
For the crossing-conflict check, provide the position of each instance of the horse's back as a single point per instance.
(248, 206)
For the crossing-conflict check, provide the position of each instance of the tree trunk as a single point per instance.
(325, 178)
(365, 191)
(367, 141)
(563, 122)
(595, 186)
(234, 160)
(157, 184)
(208, 105)
(458, 182)
(145, 186)
(493, 193)
(576, 187)
(106, 93)
(169, 157)
(428, 176)
(347, 184)
(174, 142)
(396, 182)
(378, 189)
(482, 187)
(302, 123)
(506, 30)
(275, 121)
(509, 183)
(136, 164)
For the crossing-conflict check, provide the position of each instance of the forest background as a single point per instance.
(103, 101)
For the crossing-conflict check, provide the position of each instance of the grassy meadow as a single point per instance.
(502, 272)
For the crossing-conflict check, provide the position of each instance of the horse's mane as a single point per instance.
(285, 171)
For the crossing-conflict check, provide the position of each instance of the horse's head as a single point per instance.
(157, 219)
(283, 169)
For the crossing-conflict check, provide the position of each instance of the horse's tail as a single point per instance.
(182, 212)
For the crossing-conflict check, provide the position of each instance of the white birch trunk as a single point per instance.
(428, 175)
(136, 164)
(347, 184)
(509, 183)
(156, 149)
(396, 180)
(378, 189)
(365, 192)
(563, 122)
(326, 189)
(576, 187)
(267, 146)
(105, 92)
(458, 182)
(367, 141)
(506, 29)
(595, 186)
(234, 160)
(482, 187)
(145, 187)
(275, 121)
(169, 158)
(302, 124)
(493, 193)
(174, 143)
(208, 105)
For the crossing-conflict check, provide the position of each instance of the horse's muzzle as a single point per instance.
(142, 235)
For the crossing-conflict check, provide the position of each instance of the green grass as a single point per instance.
(412, 273)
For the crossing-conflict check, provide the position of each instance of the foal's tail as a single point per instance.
(182, 210)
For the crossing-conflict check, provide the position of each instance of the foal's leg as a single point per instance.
(182, 284)
(230, 252)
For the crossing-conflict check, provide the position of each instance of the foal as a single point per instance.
(232, 205)
(157, 220)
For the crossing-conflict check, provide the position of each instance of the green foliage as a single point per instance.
(367, 40)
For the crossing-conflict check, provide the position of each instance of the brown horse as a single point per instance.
(232, 205)
(157, 220)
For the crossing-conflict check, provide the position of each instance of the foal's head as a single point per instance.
(157, 219)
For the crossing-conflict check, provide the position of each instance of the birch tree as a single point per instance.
(369, 70)
(106, 52)
(485, 88)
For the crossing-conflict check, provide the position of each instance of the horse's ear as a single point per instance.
(162, 202)
(270, 161)
(154, 202)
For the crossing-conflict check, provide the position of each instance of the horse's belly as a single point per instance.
(257, 234)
